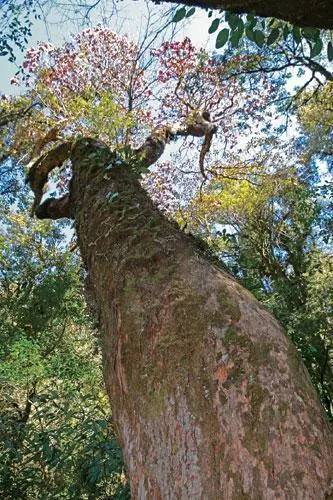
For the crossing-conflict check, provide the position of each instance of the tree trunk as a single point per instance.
(298, 12)
(209, 397)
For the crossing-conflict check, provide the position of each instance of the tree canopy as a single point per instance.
(301, 13)
(253, 199)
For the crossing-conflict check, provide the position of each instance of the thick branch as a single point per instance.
(154, 145)
(40, 169)
(55, 208)
(149, 152)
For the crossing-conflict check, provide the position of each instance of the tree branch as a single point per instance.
(40, 169)
(151, 150)
(154, 145)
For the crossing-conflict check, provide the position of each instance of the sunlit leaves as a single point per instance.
(25, 363)
(316, 120)
(54, 412)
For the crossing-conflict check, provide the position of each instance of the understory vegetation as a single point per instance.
(257, 192)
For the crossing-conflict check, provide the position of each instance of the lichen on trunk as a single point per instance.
(209, 397)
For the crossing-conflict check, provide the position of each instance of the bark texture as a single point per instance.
(210, 399)
(299, 12)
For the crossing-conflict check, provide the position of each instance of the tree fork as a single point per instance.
(209, 397)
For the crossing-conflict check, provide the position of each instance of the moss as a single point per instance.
(257, 394)
(283, 410)
(235, 375)
(155, 404)
(228, 305)
(257, 424)
(299, 474)
(259, 352)
(234, 337)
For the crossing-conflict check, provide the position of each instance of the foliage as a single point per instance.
(56, 438)
(15, 25)
(316, 119)
(261, 217)
(72, 90)
(261, 31)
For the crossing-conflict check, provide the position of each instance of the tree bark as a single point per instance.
(210, 399)
(298, 12)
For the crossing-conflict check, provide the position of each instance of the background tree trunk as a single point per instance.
(210, 399)
(298, 12)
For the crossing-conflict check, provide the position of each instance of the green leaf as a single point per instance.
(222, 38)
(273, 36)
(251, 18)
(179, 15)
(296, 32)
(330, 51)
(234, 39)
(286, 32)
(317, 48)
(210, 13)
(233, 20)
(311, 33)
(240, 27)
(213, 27)
(237, 35)
(190, 12)
(249, 34)
(251, 21)
(259, 38)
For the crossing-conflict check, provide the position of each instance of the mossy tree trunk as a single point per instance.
(209, 397)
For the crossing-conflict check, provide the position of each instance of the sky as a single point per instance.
(131, 18)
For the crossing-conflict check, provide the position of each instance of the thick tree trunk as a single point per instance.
(299, 12)
(210, 399)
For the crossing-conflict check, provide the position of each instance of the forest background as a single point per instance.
(265, 216)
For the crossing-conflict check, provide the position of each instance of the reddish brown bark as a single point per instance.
(210, 399)
(299, 12)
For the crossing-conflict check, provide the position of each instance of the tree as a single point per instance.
(303, 13)
(56, 435)
(209, 396)
(15, 18)
(266, 228)
(316, 118)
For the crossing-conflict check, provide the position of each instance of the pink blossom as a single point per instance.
(14, 81)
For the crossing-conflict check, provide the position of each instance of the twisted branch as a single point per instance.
(151, 150)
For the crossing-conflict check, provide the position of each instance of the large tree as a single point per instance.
(210, 398)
